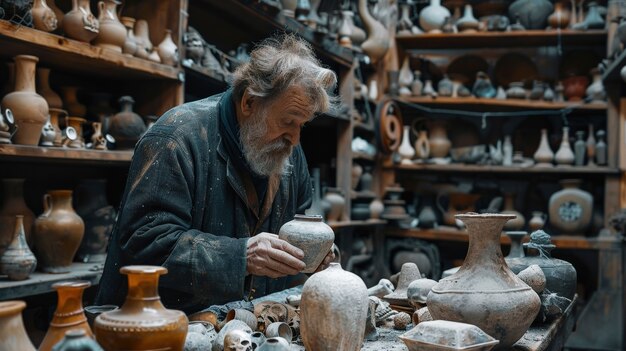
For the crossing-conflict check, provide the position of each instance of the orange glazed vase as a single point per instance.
(69, 313)
(142, 323)
(12, 333)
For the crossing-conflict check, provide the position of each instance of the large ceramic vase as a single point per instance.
(560, 275)
(333, 310)
(484, 291)
(13, 204)
(12, 332)
(142, 323)
(30, 109)
(532, 14)
(69, 314)
(18, 262)
(168, 51)
(80, 23)
(570, 209)
(43, 17)
(112, 33)
(433, 16)
(312, 236)
(58, 232)
(99, 217)
(126, 126)
(377, 42)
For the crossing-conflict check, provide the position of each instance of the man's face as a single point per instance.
(269, 135)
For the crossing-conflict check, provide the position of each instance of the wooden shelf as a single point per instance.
(612, 73)
(75, 56)
(526, 38)
(27, 153)
(205, 76)
(453, 234)
(40, 283)
(471, 168)
(346, 224)
(474, 103)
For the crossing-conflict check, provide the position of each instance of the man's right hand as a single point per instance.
(267, 255)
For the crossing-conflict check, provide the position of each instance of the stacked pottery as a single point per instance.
(30, 110)
(312, 236)
(13, 204)
(80, 23)
(168, 52)
(112, 34)
(126, 126)
(12, 332)
(484, 291)
(69, 314)
(58, 232)
(570, 209)
(142, 320)
(18, 262)
(99, 217)
(333, 310)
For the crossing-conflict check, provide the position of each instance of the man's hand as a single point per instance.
(330, 257)
(267, 255)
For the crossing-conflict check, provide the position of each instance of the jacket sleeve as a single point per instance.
(305, 187)
(155, 227)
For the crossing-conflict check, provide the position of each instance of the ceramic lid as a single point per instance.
(447, 335)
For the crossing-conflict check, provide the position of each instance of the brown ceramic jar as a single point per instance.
(142, 323)
(80, 23)
(13, 204)
(43, 17)
(12, 332)
(58, 232)
(112, 33)
(312, 236)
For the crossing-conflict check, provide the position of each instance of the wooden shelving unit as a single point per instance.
(470, 168)
(346, 224)
(27, 153)
(474, 103)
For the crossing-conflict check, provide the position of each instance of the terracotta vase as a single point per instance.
(43, 88)
(537, 221)
(58, 232)
(312, 236)
(168, 51)
(560, 17)
(43, 17)
(467, 23)
(76, 123)
(333, 310)
(70, 101)
(30, 110)
(438, 142)
(142, 37)
(516, 223)
(12, 332)
(337, 204)
(595, 91)
(377, 42)
(55, 116)
(130, 43)
(565, 156)
(433, 16)
(406, 151)
(484, 291)
(544, 155)
(142, 323)
(80, 23)
(532, 14)
(112, 33)
(18, 262)
(126, 126)
(69, 314)
(575, 87)
(570, 209)
(99, 217)
(13, 204)
(516, 244)
(417, 85)
(77, 340)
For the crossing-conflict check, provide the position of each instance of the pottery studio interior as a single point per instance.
(319, 175)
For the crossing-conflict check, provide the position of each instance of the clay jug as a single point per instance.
(55, 116)
(438, 142)
(333, 310)
(58, 232)
(433, 16)
(377, 42)
(70, 99)
(77, 340)
(30, 110)
(312, 236)
(560, 17)
(18, 262)
(168, 52)
(126, 126)
(484, 291)
(517, 223)
(80, 23)
(130, 43)
(532, 14)
(570, 209)
(337, 204)
(69, 313)
(43, 17)
(13, 204)
(516, 244)
(112, 33)
(565, 156)
(12, 332)
(406, 151)
(544, 155)
(99, 217)
(537, 221)
(43, 88)
(142, 323)
(142, 37)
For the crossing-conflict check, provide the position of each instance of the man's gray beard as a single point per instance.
(263, 159)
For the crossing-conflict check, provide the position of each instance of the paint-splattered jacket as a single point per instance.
(185, 208)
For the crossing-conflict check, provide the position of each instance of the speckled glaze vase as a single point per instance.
(112, 33)
(333, 310)
(12, 332)
(69, 314)
(18, 262)
(484, 291)
(311, 235)
(142, 323)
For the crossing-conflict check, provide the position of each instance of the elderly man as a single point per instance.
(213, 179)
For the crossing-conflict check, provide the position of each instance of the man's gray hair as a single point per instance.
(279, 63)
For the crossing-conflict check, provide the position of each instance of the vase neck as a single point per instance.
(484, 241)
(19, 236)
(143, 287)
(127, 106)
(61, 199)
(69, 305)
(25, 74)
(435, 3)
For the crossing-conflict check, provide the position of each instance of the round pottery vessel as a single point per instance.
(43, 17)
(433, 16)
(570, 209)
(13, 204)
(142, 323)
(80, 23)
(112, 33)
(333, 310)
(18, 262)
(532, 14)
(484, 291)
(337, 204)
(12, 332)
(126, 126)
(312, 236)
(538, 221)
(560, 17)
(438, 142)
(518, 222)
(575, 87)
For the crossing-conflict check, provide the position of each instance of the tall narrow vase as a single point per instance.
(484, 291)
(13, 204)
(18, 262)
(565, 156)
(30, 109)
(69, 314)
(12, 332)
(142, 323)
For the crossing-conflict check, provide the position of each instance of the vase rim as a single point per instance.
(470, 215)
(76, 284)
(308, 218)
(8, 308)
(516, 232)
(60, 192)
(143, 269)
(26, 57)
